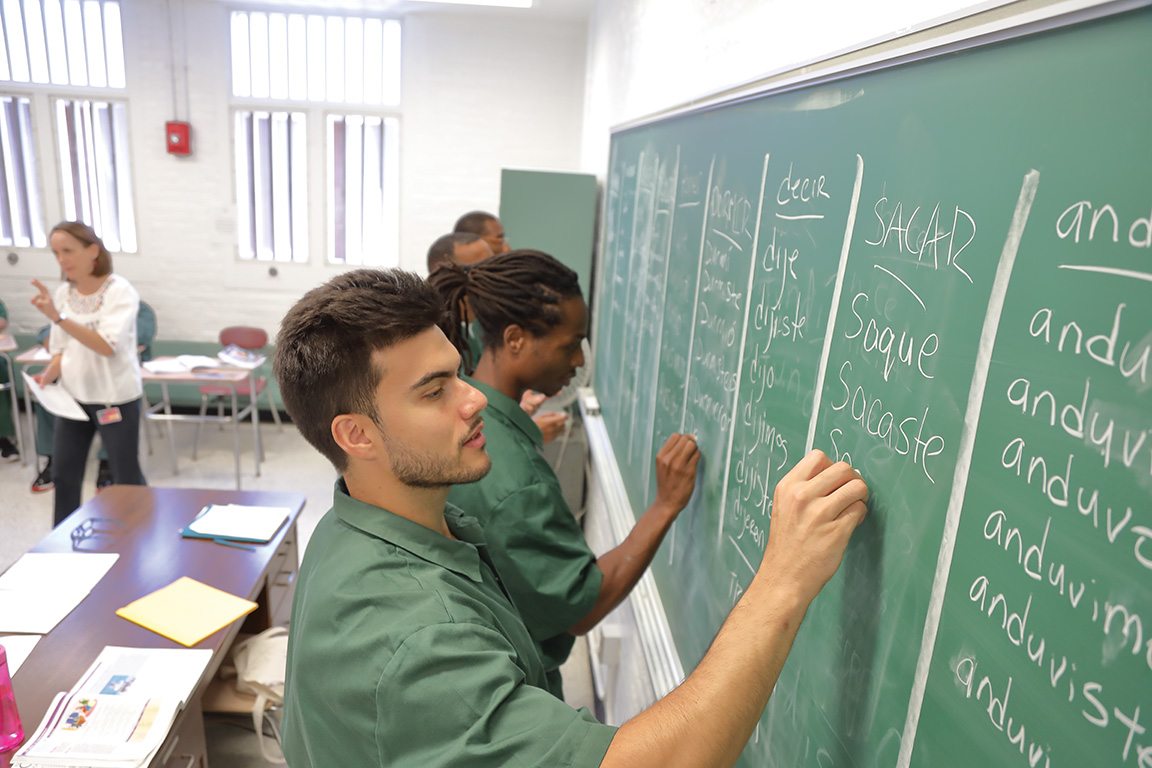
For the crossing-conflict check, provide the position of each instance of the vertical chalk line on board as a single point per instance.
(692, 330)
(610, 277)
(964, 459)
(642, 303)
(660, 333)
(822, 369)
(740, 359)
(628, 285)
(696, 297)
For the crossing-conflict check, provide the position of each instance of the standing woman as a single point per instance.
(93, 347)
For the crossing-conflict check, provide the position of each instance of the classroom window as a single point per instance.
(272, 185)
(363, 190)
(62, 42)
(21, 216)
(299, 57)
(92, 139)
(312, 66)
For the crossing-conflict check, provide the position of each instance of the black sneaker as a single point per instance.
(103, 475)
(8, 451)
(43, 482)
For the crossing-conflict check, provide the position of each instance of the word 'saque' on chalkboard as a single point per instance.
(941, 272)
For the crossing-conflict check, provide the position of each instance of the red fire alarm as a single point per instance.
(179, 136)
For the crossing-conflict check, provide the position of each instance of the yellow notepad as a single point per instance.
(186, 610)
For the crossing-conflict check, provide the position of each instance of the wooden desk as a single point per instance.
(227, 376)
(152, 553)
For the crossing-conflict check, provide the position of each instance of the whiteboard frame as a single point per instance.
(975, 27)
(659, 648)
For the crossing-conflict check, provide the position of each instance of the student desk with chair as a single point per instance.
(234, 380)
(143, 525)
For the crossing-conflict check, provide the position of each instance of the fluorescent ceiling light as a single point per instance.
(496, 3)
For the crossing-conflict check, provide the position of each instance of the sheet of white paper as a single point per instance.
(165, 365)
(41, 588)
(55, 399)
(237, 521)
(181, 364)
(18, 648)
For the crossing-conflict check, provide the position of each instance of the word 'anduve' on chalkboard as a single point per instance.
(942, 273)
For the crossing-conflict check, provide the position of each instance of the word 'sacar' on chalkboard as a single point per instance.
(942, 272)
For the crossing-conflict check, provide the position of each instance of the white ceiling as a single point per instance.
(541, 9)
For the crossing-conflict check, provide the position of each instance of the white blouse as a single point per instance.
(87, 375)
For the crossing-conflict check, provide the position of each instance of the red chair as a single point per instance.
(245, 337)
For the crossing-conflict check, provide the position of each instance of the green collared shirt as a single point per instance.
(535, 541)
(404, 651)
(475, 342)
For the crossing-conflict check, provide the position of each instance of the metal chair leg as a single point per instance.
(199, 424)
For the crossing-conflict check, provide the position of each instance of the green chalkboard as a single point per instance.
(942, 271)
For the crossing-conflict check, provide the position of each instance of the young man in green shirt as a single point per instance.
(404, 648)
(533, 319)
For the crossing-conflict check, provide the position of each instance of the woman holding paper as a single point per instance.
(93, 347)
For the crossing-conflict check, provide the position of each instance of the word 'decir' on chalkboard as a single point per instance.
(941, 272)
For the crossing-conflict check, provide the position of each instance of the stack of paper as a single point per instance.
(237, 522)
(55, 399)
(186, 610)
(119, 713)
(41, 588)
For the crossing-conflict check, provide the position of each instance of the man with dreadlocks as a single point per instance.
(404, 649)
(533, 319)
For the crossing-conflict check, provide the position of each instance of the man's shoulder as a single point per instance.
(346, 570)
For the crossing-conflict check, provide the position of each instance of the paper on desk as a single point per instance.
(181, 364)
(238, 521)
(119, 712)
(186, 610)
(36, 354)
(18, 648)
(55, 399)
(41, 588)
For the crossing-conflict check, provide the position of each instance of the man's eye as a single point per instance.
(435, 393)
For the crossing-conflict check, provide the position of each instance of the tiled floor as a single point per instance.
(290, 464)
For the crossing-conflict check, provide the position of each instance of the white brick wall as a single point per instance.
(480, 94)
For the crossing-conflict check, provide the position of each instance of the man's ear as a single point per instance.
(515, 339)
(355, 434)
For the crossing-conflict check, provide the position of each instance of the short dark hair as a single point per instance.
(443, 250)
(323, 359)
(473, 222)
(522, 287)
(86, 235)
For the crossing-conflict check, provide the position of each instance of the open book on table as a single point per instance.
(120, 711)
(240, 357)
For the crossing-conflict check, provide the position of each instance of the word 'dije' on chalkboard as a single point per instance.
(942, 273)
